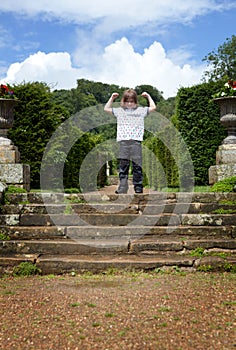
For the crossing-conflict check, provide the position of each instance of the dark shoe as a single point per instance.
(138, 190)
(120, 191)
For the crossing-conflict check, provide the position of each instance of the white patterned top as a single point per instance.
(130, 122)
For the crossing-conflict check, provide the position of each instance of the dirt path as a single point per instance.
(138, 311)
(112, 188)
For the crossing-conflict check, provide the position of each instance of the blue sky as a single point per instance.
(156, 42)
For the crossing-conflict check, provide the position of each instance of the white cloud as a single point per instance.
(119, 64)
(54, 69)
(140, 11)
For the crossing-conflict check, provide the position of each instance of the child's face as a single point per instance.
(130, 103)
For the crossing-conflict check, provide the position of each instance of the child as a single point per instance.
(130, 129)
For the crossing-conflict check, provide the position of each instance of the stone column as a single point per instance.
(226, 154)
(12, 172)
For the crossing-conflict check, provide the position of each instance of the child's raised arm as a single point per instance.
(152, 105)
(108, 105)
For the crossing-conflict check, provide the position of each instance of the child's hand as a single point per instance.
(145, 94)
(114, 95)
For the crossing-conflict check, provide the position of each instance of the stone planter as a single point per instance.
(228, 117)
(7, 112)
(6, 118)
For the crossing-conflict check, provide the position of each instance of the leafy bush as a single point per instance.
(198, 252)
(26, 269)
(15, 189)
(226, 185)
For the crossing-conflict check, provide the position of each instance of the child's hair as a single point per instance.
(129, 94)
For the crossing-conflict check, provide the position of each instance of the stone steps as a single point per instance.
(61, 233)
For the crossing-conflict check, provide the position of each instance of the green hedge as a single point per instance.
(186, 148)
(198, 120)
(159, 164)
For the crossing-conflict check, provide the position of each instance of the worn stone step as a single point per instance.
(7, 263)
(67, 264)
(182, 208)
(51, 264)
(33, 232)
(34, 197)
(118, 219)
(129, 232)
(111, 246)
(62, 247)
(88, 219)
(208, 219)
(184, 247)
(59, 265)
(133, 232)
(157, 197)
(116, 208)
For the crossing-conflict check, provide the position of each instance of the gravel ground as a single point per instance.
(115, 311)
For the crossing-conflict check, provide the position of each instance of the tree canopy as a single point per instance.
(222, 62)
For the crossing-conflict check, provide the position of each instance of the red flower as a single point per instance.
(6, 92)
(232, 84)
(4, 88)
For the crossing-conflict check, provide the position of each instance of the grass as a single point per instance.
(4, 237)
(164, 189)
(76, 304)
(224, 211)
(205, 268)
(199, 252)
(177, 189)
(227, 202)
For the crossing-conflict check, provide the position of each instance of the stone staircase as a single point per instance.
(94, 232)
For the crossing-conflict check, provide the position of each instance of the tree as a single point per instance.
(155, 93)
(222, 63)
(36, 118)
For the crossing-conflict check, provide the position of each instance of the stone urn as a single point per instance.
(6, 118)
(12, 172)
(228, 117)
(226, 154)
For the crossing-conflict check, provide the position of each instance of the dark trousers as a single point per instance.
(130, 150)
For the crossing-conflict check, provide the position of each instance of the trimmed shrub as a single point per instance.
(226, 185)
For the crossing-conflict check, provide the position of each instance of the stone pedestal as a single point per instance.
(15, 174)
(9, 154)
(11, 171)
(225, 163)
